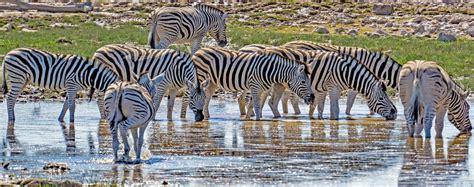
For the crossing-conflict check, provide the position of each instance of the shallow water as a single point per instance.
(229, 150)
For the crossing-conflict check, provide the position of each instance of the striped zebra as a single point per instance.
(175, 68)
(54, 72)
(426, 91)
(129, 105)
(257, 72)
(330, 79)
(380, 64)
(186, 25)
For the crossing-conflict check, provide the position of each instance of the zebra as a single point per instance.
(257, 72)
(46, 70)
(426, 91)
(380, 64)
(175, 69)
(319, 59)
(129, 105)
(186, 25)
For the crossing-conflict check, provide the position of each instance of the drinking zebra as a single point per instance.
(175, 68)
(426, 91)
(327, 77)
(129, 105)
(55, 72)
(380, 64)
(257, 72)
(186, 25)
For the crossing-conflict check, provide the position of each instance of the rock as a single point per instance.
(340, 30)
(455, 20)
(303, 11)
(62, 25)
(373, 34)
(63, 40)
(418, 19)
(353, 32)
(8, 27)
(444, 37)
(419, 30)
(347, 21)
(56, 167)
(470, 32)
(321, 30)
(383, 9)
(28, 30)
(389, 24)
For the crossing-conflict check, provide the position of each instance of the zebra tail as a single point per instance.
(152, 35)
(414, 100)
(91, 93)
(116, 113)
(4, 85)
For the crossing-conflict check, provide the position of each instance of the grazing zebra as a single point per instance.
(55, 72)
(176, 69)
(257, 72)
(326, 77)
(129, 105)
(186, 25)
(380, 64)
(426, 91)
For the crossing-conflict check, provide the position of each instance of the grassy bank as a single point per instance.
(456, 57)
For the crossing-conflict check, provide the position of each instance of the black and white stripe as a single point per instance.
(381, 65)
(175, 69)
(129, 105)
(52, 71)
(186, 25)
(426, 91)
(257, 72)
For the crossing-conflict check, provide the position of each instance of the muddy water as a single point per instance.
(229, 150)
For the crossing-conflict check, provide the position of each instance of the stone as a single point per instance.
(321, 30)
(455, 20)
(470, 31)
(389, 24)
(63, 40)
(404, 33)
(383, 9)
(8, 27)
(373, 34)
(444, 37)
(340, 30)
(418, 19)
(28, 30)
(353, 32)
(56, 167)
(418, 30)
(347, 21)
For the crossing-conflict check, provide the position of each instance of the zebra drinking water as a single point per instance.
(186, 25)
(54, 72)
(176, 69)
(129, 105)
(426, 91)
(257, 72)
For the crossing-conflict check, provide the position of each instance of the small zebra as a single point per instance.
(330, 78)
(129, 105)
(175, 68)
(54, 72)
(186, 25)
(426, 91)
(380, 64)
(257, 72)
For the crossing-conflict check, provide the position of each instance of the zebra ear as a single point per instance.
(301, 69)
(144, 79)
(205, 84)
(465, 94)
(225, 15)
(157, 79)
(190, 84)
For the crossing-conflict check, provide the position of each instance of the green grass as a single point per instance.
(455, 57)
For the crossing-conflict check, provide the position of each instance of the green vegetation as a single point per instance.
(456, 57)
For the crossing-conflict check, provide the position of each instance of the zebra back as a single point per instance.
(384, 67)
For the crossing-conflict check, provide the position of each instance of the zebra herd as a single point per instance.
(131, 81)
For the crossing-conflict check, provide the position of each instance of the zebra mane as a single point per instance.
(205, 7)
(272, 51)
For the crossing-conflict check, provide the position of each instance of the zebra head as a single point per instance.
(197, 97)
(458, 111)
(380, 103)
(301, 85)
(149, 84)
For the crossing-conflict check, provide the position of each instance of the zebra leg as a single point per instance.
(141, 137)
(428, 119)
(440, 113)
(351, 96)
(196, 44)
(135, 140)
(319, 102)
(211, 88)
(278, 91)
(171, 97)
(241, 101)
(124, 132)
(419, 122)
(256, 94)
(334, 95)
(100, 104)
(410, 118)
(63, 111)
(115, 143)
(284, 103)
(250, 111)
(184, 104)
(294, 102)
(71, 97)
(12, 97)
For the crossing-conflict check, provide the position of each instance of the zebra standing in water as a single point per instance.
(257, 72)
(334, 72)
(426, 91)
(186, 25)
(176, 69)
(380, 64)
(55, 72)
(129, 105)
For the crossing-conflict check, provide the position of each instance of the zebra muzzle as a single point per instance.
(199, 116)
